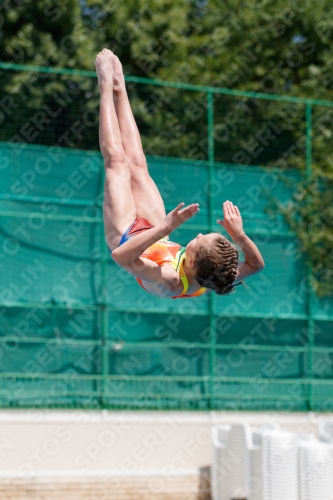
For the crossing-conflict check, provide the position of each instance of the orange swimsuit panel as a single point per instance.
(161, 252)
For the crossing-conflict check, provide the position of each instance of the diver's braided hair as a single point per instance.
(216, 266)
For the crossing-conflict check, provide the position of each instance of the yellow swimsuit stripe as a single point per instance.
(178, 265)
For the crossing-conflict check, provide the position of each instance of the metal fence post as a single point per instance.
(310, 293)
(103, 312)
(212, 314)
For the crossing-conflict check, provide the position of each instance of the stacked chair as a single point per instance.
(270, 464)
(279, 455)
(231, 463)
(325, 430)
(238, 443)
(315, 470)
(219, 472)
(260, 464)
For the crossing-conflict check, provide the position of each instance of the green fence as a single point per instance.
(77, 331)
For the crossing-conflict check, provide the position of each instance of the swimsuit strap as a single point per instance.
(179, 267)
(182, 273)
(180, 257)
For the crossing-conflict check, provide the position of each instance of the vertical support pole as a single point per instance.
(212, 313)
(103, 314)
(311, 330)
(310, 294)
(308, 137)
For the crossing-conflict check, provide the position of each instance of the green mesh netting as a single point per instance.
(77, 331)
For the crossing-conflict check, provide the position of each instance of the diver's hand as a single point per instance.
(178, 216)
(232, 222)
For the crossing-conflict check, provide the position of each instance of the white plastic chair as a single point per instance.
(219, 473)
(325, 430)
(315, 470)
(280, 465)
(237, 470)
(255, 482)
(258, 464)
(239, 444)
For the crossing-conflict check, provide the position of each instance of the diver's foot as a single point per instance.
(104, 67)
(118, 76)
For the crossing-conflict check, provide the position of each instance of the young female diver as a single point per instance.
(135, 221)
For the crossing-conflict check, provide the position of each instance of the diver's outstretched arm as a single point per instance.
(131, 250)
(233, 224)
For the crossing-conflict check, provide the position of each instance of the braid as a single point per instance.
(216, 266)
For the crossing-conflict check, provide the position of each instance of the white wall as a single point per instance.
(126, 442)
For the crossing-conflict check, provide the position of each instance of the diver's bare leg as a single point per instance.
(148, 200)
(119, 206)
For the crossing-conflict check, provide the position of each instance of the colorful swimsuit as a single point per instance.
(161, 252)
